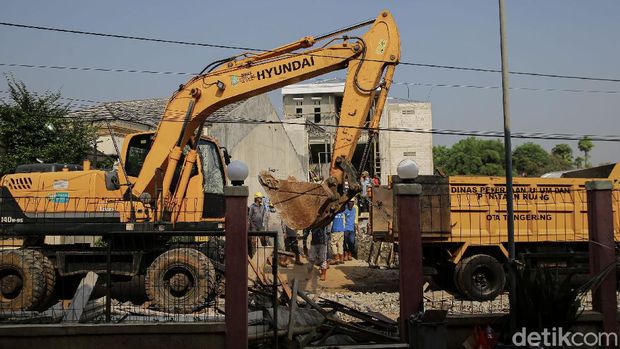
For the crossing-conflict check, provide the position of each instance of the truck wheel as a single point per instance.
(22, 281)
(480, 277)
(180, 280)
(49, 274)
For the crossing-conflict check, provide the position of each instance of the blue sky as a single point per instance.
(557, 37)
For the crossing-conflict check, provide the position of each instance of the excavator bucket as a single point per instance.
(301, 204)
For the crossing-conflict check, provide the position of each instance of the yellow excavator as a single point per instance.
(173, 179)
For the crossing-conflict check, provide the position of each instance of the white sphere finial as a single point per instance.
(407, 169)
(237, 172)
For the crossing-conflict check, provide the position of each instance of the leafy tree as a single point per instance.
(585, 145)
(530, 159)
(472, 156)
(440, 156)
(578, 162)
(563, 151)
(35, 127)
(561, 158)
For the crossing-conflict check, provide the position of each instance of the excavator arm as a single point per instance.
(370, 60)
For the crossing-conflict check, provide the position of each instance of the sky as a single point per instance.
(567, 37)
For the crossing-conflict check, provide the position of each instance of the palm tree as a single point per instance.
(585, 145)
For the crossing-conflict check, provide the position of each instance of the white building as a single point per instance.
(319, 103)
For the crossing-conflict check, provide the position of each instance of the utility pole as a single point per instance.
(508, 157)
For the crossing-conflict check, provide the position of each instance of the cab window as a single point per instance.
(213, 181)
(137, 151)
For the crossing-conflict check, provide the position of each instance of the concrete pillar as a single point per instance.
(407, 201)
(602, 251)
(236, 273)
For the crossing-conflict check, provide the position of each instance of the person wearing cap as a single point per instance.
(351, 213)
(256, 218)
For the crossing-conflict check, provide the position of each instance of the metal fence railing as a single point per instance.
(465, 241)
(132, 276)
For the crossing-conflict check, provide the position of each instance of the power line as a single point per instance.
(107, 70)
(144, 71)
(220, 46)
(129, 37)
(512, 88)
(64, 98)
(448, 132)
(475, 133)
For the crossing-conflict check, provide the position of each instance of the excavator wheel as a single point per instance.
(22, 280)
(180, 280)
(49, 273)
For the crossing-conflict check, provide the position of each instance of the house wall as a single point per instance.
(262, 147)
(396, 146)
(393, 146)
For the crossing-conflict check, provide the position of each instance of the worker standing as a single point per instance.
(291, 244)
(337, 237)
(256, 220)
(318, 251)
(376, 181)
(366, 183)
(351, 212)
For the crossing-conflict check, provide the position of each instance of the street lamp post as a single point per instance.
(508, 158)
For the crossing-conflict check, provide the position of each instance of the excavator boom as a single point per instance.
(302, 205)
(367, 58)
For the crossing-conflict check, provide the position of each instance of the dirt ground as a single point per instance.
(352, 276)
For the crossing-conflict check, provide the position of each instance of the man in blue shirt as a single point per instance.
(337, 237)
(351, 212)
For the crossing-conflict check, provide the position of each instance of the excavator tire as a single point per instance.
(180, 280)
(49, 273)
(480, 277)
(22, 280)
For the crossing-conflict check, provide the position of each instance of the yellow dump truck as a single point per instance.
(464, 225)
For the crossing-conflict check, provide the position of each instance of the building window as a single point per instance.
(408, 111)
(299, 103)
(317, 115)
(298, 111)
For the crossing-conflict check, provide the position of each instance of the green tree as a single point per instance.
(35, 127)
(440, 156)
(473, 156)
(585, 145)
(563, 151)
(530, 159)
(578, 162)
(561, 158)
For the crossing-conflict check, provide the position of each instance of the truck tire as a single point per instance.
(22, 281)
(49, 274)
(180, 280)
(480, 277)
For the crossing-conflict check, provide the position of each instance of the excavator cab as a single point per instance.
(205, 192)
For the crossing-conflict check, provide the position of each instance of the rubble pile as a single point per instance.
(368, 250)
(386, 303)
